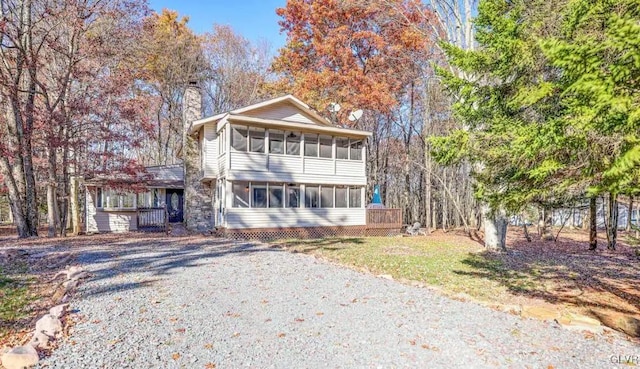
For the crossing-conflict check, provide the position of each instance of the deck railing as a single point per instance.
(153, 219)
(384, 218)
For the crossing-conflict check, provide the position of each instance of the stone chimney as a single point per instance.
(198, 210)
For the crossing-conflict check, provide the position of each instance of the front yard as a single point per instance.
(555, 278)
(16, 295)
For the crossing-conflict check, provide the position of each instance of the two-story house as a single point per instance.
(272, 169)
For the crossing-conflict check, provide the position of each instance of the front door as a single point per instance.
(175, 200)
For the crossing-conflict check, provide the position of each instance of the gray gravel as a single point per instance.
(185, 305)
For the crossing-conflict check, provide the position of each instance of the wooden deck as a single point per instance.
(384, 218)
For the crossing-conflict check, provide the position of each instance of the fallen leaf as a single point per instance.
(265, 301)
(427, 347)
(550, 366)
(319, 313)
(180, 330)
(235, 334)
(299, 320)
(412, 342)
(173, 319)
(208, 346)
(96, 321)
(175, 356)
(209, 366)
(281, 335)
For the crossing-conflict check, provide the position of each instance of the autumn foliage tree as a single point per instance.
(170, 57)
(62, 76)
(238, 69)
(360, 54)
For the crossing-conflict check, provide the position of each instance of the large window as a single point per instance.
(223, 141)
(342, 148)
(240, 194)
(312, 197)
(326, 197)
(355, 197)
(111, 199)
(348, 149)
(279, 195)
(342, 198)
(310, 145)
(256, 140)
(276, 142)
(293, 196)
(239, 138)
(259, 199)
(326, 147)
(276, 195)
(149, 199)
(293, 143)
(99, 197)
(356, 150)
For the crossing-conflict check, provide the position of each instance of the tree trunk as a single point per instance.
(629, 212)
(75, 209)
(544, 224)
(612, 226)
(495, 229)
(527, 236)
(593, 224)
(427, 200)
(445, 203)
(10, 214)
(52, 203)
(15, 200)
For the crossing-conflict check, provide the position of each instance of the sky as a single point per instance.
(256, 20)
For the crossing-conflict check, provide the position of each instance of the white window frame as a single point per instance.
(108, 193)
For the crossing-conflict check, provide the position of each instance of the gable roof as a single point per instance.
(304, 109)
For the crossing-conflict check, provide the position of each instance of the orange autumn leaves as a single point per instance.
(361, 54)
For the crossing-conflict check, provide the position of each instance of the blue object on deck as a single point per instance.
(376, 195)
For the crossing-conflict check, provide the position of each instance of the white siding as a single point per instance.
(237, 218)
(248, 161)
(210, 151)
(282, 111)
(282, 168)
(285, 164)
(107, 221)
(242, 175)
(222, 161)
(349, 168)
(319, 166)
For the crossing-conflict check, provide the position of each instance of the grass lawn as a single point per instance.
(449, 263)
(15, 297)
(563, 275)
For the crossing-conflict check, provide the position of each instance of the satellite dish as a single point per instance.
(334, 107)
(355, 115)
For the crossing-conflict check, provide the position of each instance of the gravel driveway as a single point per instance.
(209, 303)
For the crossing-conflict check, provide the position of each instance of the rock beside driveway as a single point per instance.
(20, 357)
(49, 325)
